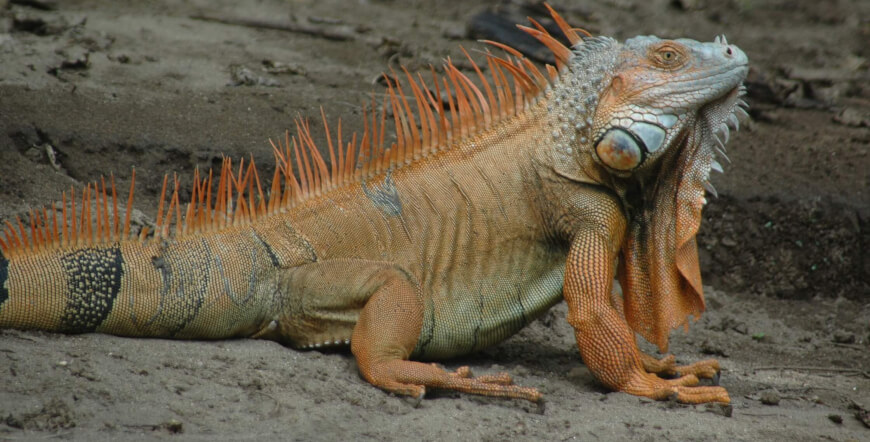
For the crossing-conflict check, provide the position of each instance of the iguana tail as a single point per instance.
(210, 275)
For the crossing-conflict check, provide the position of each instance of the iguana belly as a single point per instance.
(487, 310)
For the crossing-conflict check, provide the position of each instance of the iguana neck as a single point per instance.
(571, 106)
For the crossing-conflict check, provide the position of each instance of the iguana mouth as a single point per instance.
(729, 97)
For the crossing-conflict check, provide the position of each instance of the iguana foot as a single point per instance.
(667, 367)
(497, 378)
(413, 378)
(684, 389)
(706, 369)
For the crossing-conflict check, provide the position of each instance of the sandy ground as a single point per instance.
(89, 88)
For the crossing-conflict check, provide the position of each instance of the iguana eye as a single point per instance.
(668, 56)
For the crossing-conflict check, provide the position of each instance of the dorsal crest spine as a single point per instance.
(420, 124)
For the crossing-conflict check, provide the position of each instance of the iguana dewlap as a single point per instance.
(531, 187)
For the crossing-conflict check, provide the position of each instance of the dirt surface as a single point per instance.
(89, 88)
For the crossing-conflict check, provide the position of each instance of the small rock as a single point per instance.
(842, 337)
(74, 58)
(455, 32)
(741, 328)
(174, 426)
(120, 58)
(852, 117)
(277, 68)
(836, 418)
(769, 397)
(14, 422)
(242, 76)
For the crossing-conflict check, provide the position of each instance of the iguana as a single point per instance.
(496, 199)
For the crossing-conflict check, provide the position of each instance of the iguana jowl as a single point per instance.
(536, 186)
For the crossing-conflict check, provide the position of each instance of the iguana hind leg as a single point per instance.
(386, 334)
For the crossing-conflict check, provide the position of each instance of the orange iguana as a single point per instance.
(536, 186)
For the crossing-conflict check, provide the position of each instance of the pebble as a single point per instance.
(769, 397)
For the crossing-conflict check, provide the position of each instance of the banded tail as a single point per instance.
(210, 275)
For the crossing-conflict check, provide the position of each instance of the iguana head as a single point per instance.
(652, 109)
(658, 89)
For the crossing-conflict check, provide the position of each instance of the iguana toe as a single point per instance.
(496, 378)
(706, 369)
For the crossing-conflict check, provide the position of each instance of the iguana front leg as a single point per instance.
(604, 338)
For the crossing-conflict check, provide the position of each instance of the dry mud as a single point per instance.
(89, 88)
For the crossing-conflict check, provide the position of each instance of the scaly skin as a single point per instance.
(456, 250)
